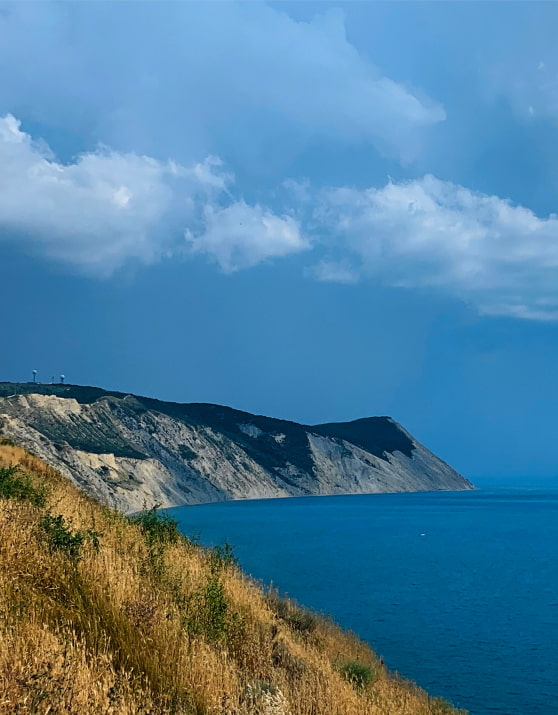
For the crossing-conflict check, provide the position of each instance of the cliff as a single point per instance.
(128, 451)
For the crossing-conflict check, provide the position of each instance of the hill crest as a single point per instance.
(129, 450)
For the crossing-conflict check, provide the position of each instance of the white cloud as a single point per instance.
(244, 79)
(430, 233)
(93, 213)
(107, 208)
(329, 271)
(241, 236)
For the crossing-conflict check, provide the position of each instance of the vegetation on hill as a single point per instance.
(101, 613)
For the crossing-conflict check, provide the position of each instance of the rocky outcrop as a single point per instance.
(132, 451)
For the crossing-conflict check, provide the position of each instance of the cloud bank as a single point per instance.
(107, 208)
(244, 82)
(255, 86)
(501, 258)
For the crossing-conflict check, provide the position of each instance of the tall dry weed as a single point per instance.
(125, 623)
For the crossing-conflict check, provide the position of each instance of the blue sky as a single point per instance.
(316, 211)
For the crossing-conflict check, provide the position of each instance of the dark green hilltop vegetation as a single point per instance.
(377, 435)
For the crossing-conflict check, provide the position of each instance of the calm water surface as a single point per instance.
(458, 591)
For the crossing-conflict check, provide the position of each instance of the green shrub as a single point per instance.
(157, 528)
(61, 538)
(209, 611)
(298, 619)
(15, 484)
(5, 442)
(216, 610)
(301, 621)
(356, 673)
(221, 557)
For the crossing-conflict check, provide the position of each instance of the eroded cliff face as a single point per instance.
(133, 452)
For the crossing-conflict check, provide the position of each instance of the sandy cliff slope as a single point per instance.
(131, 451)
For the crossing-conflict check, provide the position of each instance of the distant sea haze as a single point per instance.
(456, 590)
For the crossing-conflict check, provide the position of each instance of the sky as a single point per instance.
(313, 211)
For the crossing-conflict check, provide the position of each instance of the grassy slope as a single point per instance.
(129, 622)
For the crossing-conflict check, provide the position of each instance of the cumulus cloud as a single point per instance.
(90, 213)
(247, 81)
(329, 271)
(106, 208)
(241, 236)
(431, 233)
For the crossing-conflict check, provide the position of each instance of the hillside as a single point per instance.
(128, 450)
(101, 613)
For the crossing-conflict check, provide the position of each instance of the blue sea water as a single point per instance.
(456, 590)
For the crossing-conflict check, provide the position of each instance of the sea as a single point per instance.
(456, 590)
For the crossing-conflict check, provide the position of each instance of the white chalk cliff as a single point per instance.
(133, 451)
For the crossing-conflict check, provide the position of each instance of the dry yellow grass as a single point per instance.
(134, 625)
